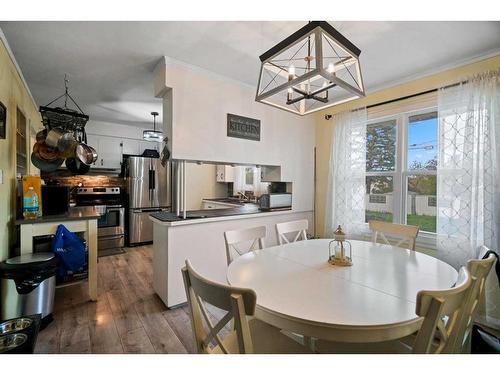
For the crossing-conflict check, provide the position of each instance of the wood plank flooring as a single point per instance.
(128, 317)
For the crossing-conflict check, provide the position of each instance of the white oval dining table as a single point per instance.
(298, 291)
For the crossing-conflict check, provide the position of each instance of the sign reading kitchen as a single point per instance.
(243, 127)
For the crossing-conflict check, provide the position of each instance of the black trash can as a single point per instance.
(27, 285)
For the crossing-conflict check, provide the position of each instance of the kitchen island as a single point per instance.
(77, 219)
(200, 238)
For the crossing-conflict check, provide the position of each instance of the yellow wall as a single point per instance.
(324, 128)
(13, 94)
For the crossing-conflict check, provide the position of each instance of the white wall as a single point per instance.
(199, 101)
(201, 183)
(200, 179)
(113, 129)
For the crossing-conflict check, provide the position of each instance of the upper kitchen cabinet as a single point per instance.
(109, 150)
(225, 173)
(270, 173)
(130, 146)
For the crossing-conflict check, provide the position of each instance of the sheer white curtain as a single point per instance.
(345, 203)
(240, 181)
(468, 178)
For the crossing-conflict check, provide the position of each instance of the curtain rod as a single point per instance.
(328, 116)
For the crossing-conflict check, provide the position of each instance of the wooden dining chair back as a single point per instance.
(236, 302)
(442, 311)
(235, 239)
(405, 233)
(297, 227)
(479, 270)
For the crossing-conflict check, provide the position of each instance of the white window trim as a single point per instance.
(400, 174)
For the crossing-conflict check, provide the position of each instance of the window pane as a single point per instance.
(381, 146)
(422, 141)
(421, 202)
(378, 200)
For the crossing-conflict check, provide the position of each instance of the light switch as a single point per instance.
(1, 176)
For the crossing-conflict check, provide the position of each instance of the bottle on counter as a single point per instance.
(30, 204)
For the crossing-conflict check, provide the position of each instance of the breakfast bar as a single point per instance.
(81, 219)
(200, 238)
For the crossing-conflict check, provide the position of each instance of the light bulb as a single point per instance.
(331, 68)
(290, 90)
(291, 71)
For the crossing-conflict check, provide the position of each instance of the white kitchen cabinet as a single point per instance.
(109, 151)
(225, 173)
(270, 173)
(130, 146)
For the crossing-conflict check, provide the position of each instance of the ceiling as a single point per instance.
(110, 64)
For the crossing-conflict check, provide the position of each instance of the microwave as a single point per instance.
(276, 201)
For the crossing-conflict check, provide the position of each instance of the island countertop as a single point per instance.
(74, 213)
(201, 216)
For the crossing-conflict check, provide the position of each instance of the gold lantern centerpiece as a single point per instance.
(337, 253)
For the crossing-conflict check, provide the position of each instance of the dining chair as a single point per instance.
(299, 227)
(406, 233)
(247, 335)
(242, 237)
(441, 312)
(479, 269)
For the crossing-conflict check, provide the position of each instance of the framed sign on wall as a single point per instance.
(3, 121)
(243, 127)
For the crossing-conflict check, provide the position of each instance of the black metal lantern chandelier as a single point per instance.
(314, 68)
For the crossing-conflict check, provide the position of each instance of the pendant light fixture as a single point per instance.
(314, 68)
(153, 135)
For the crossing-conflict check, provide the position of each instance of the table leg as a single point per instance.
(92, 243)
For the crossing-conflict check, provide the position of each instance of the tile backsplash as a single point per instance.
(85, 180)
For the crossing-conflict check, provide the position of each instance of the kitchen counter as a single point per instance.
(74, 214)
(197, 216)
(77, 220)
(200, 238)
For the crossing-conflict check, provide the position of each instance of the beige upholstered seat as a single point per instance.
(441, 312)
(405, 233)
(248, 335)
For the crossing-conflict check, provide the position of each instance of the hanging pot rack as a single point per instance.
(64, 118)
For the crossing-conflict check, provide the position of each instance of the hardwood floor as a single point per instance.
(127, 318)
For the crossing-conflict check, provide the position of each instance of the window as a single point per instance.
(381, 199)
(401, 161)
(431, 201)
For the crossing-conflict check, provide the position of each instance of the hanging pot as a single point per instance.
(53, 137)
(85, 153)
(45, 165)
(76, 166)
(41, 135)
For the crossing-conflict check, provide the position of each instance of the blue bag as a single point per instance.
(69, 249)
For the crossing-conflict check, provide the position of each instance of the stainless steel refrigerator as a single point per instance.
(149, 190)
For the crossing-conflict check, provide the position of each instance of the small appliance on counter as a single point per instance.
(55, 200)
(108, 201)
(276, 201)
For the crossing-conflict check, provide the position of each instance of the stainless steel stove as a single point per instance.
(108, 201)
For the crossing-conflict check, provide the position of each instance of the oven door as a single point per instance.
(111, 222)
